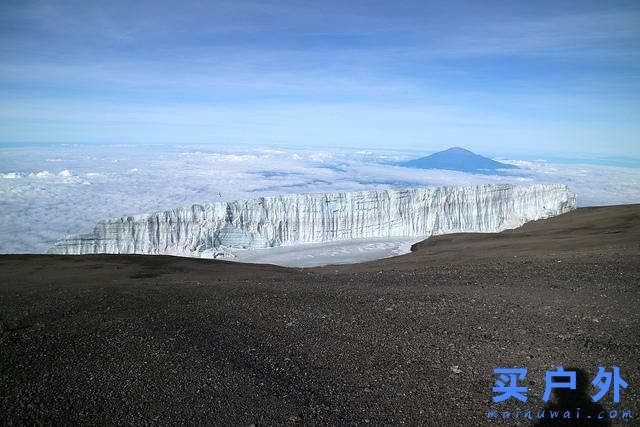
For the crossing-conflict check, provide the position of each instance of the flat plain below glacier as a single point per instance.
(319, 254)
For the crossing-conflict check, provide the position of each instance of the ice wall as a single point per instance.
(219, 228)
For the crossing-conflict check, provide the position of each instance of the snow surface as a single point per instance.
(339, 252)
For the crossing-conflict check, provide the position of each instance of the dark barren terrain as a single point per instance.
(412, 339)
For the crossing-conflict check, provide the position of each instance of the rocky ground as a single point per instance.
(412, 339)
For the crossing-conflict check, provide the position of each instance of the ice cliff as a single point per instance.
(219, 228)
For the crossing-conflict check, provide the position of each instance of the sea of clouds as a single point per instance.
(47, 193)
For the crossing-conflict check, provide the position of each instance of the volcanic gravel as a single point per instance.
(132, 339)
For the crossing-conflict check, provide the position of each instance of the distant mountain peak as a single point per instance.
(458, 159)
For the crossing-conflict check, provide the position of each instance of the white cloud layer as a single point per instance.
(42, 202)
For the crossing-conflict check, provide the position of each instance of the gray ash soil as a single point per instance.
(413, 339)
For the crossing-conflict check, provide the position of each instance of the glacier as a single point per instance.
(220, 229)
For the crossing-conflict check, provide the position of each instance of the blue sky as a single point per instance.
(496, 77)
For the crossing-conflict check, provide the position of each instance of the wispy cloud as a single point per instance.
(565, 77)
(607, 34)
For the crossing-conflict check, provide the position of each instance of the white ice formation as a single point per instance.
(220, 228)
